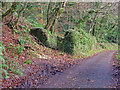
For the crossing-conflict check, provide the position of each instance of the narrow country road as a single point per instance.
(95, 72)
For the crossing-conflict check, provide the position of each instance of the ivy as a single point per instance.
(3, 65)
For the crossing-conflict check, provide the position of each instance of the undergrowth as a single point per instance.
(52, 39)
(3, 64)
(79, 43)
(8, 65)
(118, 57)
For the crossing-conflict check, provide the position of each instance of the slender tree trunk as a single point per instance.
(11, 10)
(19, 13)
(94, 23)
(3, 4)
(48, 15)
(51, 18)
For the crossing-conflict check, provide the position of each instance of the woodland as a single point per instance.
(40, 39)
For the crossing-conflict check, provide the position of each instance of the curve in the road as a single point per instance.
(95, 72)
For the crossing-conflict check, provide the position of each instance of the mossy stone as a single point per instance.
(40, 34)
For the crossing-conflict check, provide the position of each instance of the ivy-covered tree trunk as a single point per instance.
(9, 13)
(11, 10)
(94, 22)
(52, 15)
(19, 13)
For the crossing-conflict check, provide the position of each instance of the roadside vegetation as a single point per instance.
(118, 57)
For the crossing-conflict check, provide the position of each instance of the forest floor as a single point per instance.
(116, 69)
(50, 63)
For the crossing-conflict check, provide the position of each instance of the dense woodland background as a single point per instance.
(32, 31)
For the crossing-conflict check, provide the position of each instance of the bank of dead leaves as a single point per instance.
(44, 65)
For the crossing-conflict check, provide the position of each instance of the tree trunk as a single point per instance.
(19, 13)
(51, 18)
(11, 10)
(93, 26)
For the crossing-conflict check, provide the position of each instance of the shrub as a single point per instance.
(69, 41)
(78, 42)
(60, 41)
(52, 40)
